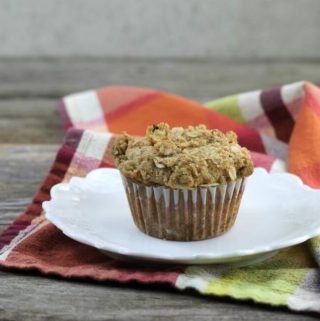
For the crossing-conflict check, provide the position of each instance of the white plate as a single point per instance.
(277, 211)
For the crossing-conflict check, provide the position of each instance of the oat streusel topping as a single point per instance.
(182, 158)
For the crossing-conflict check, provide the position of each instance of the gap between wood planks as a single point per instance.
(30, 89)
(198, 79)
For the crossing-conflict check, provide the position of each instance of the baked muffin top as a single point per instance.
(182, 158)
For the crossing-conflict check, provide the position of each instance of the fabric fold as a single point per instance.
(281, 127)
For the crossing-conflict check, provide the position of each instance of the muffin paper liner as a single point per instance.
(184, 214)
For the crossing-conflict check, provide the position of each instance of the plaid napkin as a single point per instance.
(281, 126)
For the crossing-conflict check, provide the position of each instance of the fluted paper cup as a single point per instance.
(184, 214)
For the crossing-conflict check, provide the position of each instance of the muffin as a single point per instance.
(183, 184)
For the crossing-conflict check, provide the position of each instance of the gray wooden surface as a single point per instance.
(30, 135)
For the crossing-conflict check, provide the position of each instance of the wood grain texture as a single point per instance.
(197, 79)
(22, 168)
(29, 89)
(37, 298)
(29, 121)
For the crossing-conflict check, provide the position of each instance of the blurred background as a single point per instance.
(199, 49)
(234, 29)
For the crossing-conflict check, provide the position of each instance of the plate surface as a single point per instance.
(277, 211)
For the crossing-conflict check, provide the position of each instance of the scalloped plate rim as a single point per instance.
(112, 247)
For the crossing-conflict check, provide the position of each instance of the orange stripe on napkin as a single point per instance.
(136, 116)
(304, 146)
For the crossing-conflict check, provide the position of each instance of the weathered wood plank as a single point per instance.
(11, 208)
(29, 90)
(33, 298)
(22, 168)
(29, 121)
(198, 79)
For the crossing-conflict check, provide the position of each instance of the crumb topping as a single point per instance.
(182, 158)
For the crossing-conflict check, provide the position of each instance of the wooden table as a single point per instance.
(30, 135)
